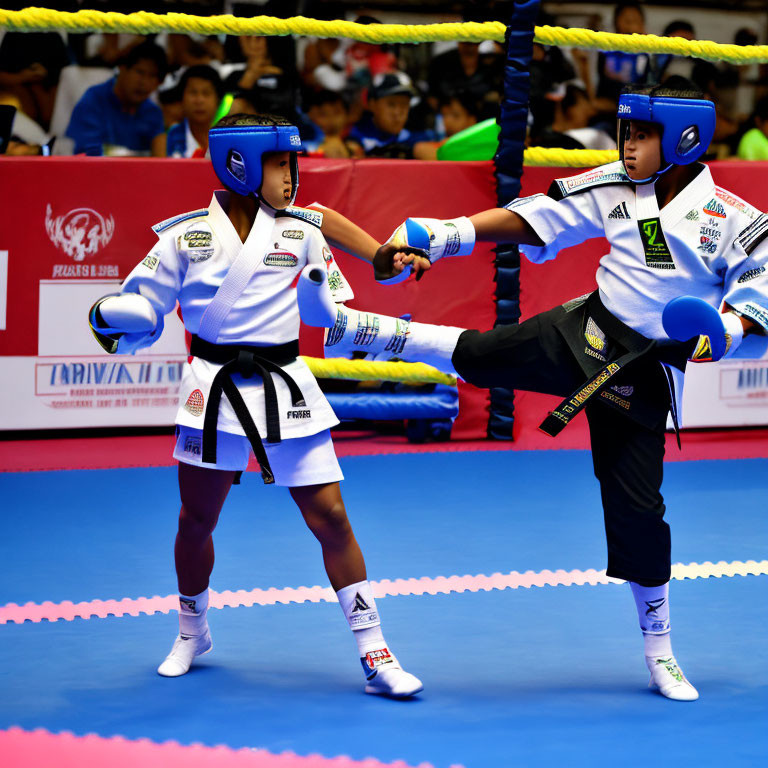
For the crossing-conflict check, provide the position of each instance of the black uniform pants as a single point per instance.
(627, 453)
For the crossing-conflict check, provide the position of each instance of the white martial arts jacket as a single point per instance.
(689, 247)
(194, 253)
(706, 243)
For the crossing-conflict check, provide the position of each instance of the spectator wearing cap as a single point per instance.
(117, 117)
(382, 132)
(201, 93)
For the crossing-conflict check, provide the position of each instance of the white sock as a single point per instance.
(653, 612)
(192, 614)
(359, 608)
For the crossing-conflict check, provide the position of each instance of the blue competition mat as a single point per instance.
(550, 676)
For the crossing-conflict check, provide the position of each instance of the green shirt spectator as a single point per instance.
(754, 143)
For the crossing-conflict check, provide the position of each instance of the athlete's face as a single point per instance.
(276, 185)
(642, 150)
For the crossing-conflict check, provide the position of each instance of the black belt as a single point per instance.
(247, 361)
(636, 345)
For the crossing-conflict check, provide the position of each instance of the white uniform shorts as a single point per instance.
(299, 461)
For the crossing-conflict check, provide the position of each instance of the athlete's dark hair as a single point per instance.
(243, 119)
(675, 87)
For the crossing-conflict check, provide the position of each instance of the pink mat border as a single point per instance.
(31, 749)
(426, 585)
(155, 450)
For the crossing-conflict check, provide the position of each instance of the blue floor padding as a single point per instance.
(426, 515)
(539, 677)
(528, 677)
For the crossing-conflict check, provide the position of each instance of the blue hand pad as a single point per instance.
(687, 317)
(418, 235)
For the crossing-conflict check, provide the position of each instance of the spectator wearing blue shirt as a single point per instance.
(117, 117)
(201, 91)
(382, 132)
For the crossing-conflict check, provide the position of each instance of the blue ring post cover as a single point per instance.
(687, 317)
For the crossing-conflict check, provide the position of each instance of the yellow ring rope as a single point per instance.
(364, 370)
(142, 22)
(574, 158)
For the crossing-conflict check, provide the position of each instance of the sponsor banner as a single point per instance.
(76, 233)
(726, 394)
(70, 238)
(99, 391)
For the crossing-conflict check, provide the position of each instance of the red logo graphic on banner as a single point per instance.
(195, 403)
(79, 233)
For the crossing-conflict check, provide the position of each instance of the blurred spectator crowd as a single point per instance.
(109, 94)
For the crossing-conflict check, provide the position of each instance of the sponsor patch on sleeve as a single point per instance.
(306, 214)
(168, 223)
(151, 261)
(612, 173)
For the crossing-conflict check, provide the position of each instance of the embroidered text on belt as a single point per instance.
(247, 361)
(636, 345)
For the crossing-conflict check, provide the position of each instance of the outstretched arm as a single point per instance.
(499, 225)
(342, 233)
(453, 237)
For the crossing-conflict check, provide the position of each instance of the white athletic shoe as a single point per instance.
(184, 650)
(385, 676)
(669, 680)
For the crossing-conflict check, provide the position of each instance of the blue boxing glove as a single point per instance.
(717, 334)
(432, 238)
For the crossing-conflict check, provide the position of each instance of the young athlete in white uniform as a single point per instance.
(671, 232)
(232, 267)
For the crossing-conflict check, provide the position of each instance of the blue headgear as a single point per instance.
(237, 151)
(688, 126)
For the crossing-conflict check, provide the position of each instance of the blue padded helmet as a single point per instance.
(687, 125)
(237, 152)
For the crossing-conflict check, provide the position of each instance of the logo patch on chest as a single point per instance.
(657, 255)
(197, 242)
(292, 234)
(714, 208)
(281, 259)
